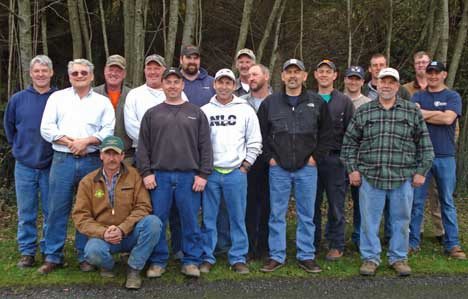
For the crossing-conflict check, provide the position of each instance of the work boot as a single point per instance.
(271, 265)
(133, 279)
(26, 261)
(48, 267)
(240, 268)
(155, 271)
(368, 268)
(190, 270)
(205, 267)
(334, 255)
(457, 253)
(310, 266)
(402, 268)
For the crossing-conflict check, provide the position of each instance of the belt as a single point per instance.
(88, 155)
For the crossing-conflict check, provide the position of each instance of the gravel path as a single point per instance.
(377, 287)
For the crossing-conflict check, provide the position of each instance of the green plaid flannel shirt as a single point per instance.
(387, 146)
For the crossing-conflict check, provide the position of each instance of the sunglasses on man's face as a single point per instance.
(82, 73)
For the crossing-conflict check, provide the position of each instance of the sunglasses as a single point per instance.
(82, 73)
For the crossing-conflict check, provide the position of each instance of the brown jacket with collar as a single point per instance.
(92, 213)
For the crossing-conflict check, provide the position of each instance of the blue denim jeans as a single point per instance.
(232, 188)
(372, 203)
(29, 183)
(305, 189)
(140, 243)
(65, 174)
(444, 172)
(177, 186)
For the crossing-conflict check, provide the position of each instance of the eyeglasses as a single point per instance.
(82, 73)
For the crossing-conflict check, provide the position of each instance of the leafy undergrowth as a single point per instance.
(430, 260)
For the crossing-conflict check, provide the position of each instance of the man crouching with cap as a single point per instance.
(387, 152)
(237, 141)
(113, 210)
(174, 158)
(296, 129)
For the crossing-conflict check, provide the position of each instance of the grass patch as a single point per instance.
(430, 260)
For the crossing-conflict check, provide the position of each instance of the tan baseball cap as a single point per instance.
(116, 60)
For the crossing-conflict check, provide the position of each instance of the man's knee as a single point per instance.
(94, 251)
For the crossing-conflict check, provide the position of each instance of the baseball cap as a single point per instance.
(247, 52)
(113, 143)
(189, 50)
(225, 73)
(389, 72)
(295, 62)
(156, 58)
(172, 71)
(436, 66)
(116, 60)
(327, 62)
(355, 70)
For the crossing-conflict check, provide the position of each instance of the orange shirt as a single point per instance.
(114, 98)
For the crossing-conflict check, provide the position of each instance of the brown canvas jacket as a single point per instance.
(92, 213)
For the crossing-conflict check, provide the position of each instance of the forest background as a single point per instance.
(345, 31)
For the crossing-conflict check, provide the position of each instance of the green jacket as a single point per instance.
(119, 129)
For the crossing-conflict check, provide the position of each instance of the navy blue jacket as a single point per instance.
(22, 124)
(200, 90)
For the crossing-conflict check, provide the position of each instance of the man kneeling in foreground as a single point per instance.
(113, 210)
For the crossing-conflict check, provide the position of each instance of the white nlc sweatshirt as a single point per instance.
(235, 132)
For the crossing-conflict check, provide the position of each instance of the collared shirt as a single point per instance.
(110, 184)
(66, 114)
(138, 101)
(387, 146)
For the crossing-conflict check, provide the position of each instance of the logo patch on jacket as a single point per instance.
(311, 105)
(99, 193)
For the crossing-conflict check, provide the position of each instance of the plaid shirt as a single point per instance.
(110, 184)
(387, 146)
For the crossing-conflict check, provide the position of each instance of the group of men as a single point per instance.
(235, 151)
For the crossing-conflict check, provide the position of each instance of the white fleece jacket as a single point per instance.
(235, 132)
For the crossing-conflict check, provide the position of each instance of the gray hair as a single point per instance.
(41, 59)
(263, 68)
(80, 61)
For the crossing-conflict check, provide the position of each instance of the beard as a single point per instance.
(191, 69)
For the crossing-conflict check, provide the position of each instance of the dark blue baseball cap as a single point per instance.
(355, 70)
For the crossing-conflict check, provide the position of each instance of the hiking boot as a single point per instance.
(155, 271)
(86, 267)
(106, 273)
(310, 266)
(48, 267)
(334, 255)
(240, 268)
(190, 270)
(133, 279)
(271, 265)
(457, 253)
(402, 268)
(368, 268)
(26, 261)
(205, 267)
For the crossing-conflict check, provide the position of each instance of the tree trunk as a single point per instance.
(276, 37)
(141, 8)
(103, 27)
(389, 32)
(11, 43)
(172, 31)
(199, 27)
(435, 32)
(459, 46)
(75, 29)
(444, 37)
(301, 32)
(244, 27)
(24, 28)
(267, 32)
(129, 29)
(45, 48)
(189, 23)
(86, 33)
(350, 32)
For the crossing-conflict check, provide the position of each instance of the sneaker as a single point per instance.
(190, 270)
(334, 255)
(133, 280)
(26, 261)
(86, 267)
(368, 268)
(106, 273)
(205, 267)
(310, 266)
(240, 268)
(155, 271)
(457, 253)
(271, 265)
(402, 268)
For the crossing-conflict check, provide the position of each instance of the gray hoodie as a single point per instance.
(235, 132)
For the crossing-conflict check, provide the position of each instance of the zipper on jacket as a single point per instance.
(293, 146)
